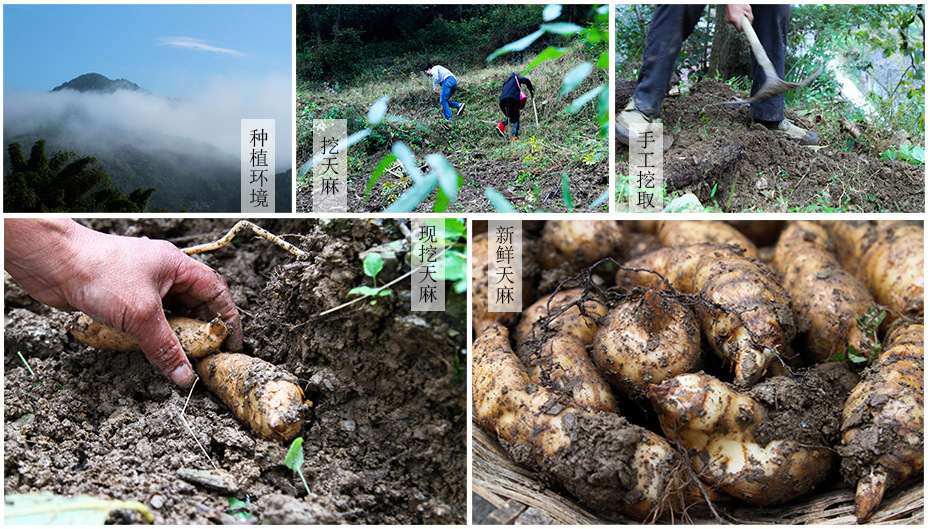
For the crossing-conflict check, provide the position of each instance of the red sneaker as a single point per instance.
(500, 129)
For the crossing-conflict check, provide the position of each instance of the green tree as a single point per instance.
(64, 183)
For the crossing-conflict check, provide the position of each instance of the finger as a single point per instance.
(195, 280)
(161, 346)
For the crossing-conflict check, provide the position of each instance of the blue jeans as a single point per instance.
(448, 88)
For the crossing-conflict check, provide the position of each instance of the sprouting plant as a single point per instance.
(372, 266)
(868, 325)
(295, 460)
(237, 508)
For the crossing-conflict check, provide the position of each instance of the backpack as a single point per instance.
(522, 95)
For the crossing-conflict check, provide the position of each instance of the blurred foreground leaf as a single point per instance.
(51, 509)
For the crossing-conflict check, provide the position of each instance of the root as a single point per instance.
(190, 430)
(240, 226)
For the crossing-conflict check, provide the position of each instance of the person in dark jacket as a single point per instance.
(511, 102)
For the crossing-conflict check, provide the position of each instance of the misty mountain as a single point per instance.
(188, 149)
(94, 82)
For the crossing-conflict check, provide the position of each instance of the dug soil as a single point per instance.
(727, 162)
(385, 438)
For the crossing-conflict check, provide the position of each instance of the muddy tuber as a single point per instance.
(198, 338)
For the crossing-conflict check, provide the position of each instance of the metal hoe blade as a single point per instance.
(773, 85)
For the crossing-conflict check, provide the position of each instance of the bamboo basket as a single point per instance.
(499, 480)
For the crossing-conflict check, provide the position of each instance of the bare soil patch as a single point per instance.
(727, 162)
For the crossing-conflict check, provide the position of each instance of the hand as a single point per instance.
(735, 12)
(121, 281)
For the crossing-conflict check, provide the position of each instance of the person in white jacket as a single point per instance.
(447, 84)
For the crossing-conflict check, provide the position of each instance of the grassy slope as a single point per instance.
(528, 171)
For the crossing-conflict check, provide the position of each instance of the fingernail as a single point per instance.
(183, 376)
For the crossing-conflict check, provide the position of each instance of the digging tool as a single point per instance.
(535, 115)
(773, 85)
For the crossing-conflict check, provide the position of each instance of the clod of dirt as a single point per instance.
(33, 335)
(806, 408)
(217, 479)
(279, 509)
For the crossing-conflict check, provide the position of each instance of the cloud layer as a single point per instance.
(207, 123)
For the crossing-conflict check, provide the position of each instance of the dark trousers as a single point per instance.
(511, 109)
(672, 24)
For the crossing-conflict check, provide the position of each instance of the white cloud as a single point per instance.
(210, 118)
(197, 44)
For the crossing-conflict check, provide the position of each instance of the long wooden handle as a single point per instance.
(757, 50)
(535, 115)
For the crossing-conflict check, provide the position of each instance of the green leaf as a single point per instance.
(412, 197)
(455, 229)
(51, 509)
(601, 199)
(305, 168)
(500, 203)
(584, 99)
(365, 290)
(518, 45)
(373, 264)
(603, 107)
(235, 503)
(449, 180)
(549, 53)
(574, 78)
(561, 28)
(237, 510)
(603, 60)
(341, 146)
(405, 155)
(377, 111)
(455, 266)
(567, 193)
(442, 201)
(379, 170)
(551, 12)
(354, 138)
(295, 455)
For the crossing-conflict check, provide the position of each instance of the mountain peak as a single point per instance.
(95, 82)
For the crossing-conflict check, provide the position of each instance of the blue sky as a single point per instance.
(170, 50)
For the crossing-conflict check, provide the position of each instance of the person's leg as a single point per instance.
(503, 103)
(771, 24)
(454, 87)
(670, 26)
(444, 92)
(514, 105)
(513, 114)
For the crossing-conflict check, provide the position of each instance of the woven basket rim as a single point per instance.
(498, 479)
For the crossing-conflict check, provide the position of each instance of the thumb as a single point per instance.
(161, 346)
